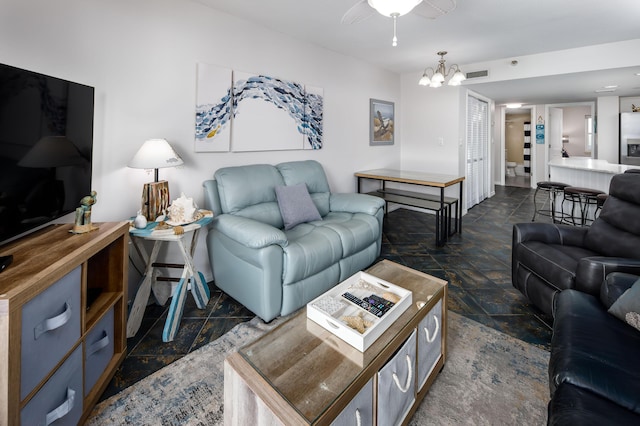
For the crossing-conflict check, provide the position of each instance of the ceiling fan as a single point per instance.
(365, 9)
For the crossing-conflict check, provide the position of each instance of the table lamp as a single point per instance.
(155, 154)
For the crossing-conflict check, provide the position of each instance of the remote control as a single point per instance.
(382, 301)
(5, 261)
(364, 305)
(379, 303)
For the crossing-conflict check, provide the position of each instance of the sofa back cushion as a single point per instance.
(616, 232)
(311, 173)
(249, 191)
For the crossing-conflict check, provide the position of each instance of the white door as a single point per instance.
(477, 180)
(555, 133)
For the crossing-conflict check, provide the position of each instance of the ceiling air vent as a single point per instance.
(477, 74)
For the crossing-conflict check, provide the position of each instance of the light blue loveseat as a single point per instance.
(273, 271)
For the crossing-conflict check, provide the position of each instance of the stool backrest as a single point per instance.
(616, 232)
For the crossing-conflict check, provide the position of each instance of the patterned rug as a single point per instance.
(489, 378)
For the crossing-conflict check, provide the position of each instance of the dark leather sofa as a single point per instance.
(548, 258)
(593, 369)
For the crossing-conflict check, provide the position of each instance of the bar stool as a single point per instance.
(585, 198)
(600, 198)
(553, 190)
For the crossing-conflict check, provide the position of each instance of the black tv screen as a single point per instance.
(46, 140)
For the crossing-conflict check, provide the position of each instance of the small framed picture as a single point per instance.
(381, 122)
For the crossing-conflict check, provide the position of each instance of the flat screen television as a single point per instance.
(46, 141)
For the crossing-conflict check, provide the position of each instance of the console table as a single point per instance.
(301, 374)
(62, 322)
(440, 204)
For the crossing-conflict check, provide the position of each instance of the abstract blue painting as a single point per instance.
(266, 113)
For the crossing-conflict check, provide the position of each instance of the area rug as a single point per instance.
(489, 379)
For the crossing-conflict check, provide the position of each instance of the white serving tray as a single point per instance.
(329, 309)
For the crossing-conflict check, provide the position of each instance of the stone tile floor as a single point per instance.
(476, 263)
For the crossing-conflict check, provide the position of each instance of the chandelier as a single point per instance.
(393, 9)
(440, 74)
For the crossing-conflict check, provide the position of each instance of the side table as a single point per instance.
(191, 278)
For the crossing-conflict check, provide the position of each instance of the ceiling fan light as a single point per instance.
(391, 7)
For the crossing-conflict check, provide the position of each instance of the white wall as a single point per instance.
(608, 131)
(430, 132)
(573, 126)
(141, 57)
(432, 129)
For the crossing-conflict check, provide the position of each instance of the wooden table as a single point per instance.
(418, 199)
(301, 374)
(191, 277)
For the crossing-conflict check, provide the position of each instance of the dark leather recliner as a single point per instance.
(548, 258)
(593, 374)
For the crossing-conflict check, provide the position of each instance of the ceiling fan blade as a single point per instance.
(358, 13)
(431, 9)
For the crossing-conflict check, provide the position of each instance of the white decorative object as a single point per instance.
(331, 310)
(182, 211)
(140, 222)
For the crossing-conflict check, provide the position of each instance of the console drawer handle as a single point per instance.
(100, 344)
(63, 409)
(409, 374)
(430, 339)
(53, 323)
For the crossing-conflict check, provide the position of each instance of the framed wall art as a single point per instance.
(240, 111)
(381, 122)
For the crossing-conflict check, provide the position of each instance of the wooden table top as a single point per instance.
(408, 176)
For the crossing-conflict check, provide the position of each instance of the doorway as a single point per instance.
(518, 147)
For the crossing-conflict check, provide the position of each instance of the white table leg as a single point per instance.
(142, 296)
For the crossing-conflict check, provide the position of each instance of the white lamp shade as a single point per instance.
(155, 154)
(424, 80)
(393, 7)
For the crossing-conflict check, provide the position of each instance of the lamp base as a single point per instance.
(155, 199)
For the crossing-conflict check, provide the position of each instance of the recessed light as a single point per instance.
(605, 90)
(514, 105)
(611, 87)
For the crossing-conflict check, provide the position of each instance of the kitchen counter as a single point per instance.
(585, 172)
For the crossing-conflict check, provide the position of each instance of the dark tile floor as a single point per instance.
(476, 264)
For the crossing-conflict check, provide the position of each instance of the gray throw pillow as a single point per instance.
(296, 205)
(627, 307)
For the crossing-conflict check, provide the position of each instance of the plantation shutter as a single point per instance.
(477, 179)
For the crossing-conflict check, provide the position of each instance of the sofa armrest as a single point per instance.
(592, 271)
(548, 233)
(249, 232)
(614, 285)
(355, 203)
(211, 197)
